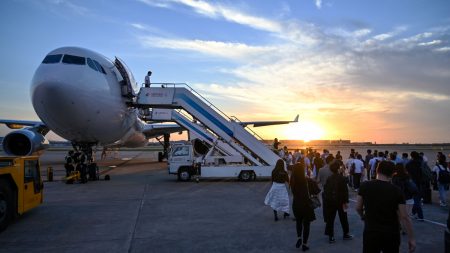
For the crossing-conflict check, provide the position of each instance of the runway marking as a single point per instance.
(429, 221)
(141, 206)
(436, 223)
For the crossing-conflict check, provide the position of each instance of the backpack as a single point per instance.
(444, 176)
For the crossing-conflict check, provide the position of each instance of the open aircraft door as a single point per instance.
(129, 87)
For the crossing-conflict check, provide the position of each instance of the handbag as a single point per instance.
(313, 199)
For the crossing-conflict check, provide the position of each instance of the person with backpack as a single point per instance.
(349, 164)
(277, 197)
(442, 173)
(335, 197)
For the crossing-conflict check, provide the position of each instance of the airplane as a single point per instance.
(86, 98)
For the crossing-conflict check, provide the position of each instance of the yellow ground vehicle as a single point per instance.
(20, 187)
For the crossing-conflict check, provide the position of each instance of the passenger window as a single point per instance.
(55, 58)
(99, 67)
(91, 64)
(72, 59)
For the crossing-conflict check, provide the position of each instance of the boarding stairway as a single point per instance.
(227, 129)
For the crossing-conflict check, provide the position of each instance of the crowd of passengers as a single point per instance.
(390, 191)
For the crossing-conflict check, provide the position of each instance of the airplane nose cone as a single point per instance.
(61, 107)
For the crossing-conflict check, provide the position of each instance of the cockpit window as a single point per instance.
(72, 59)
(99, 67)
(91, 64)
(54, 58)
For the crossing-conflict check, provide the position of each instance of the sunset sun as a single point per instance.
(304, 131)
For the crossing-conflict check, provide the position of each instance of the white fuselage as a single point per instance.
(82, 104)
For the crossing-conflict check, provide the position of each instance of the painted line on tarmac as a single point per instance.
(436, 223)
(429, 221)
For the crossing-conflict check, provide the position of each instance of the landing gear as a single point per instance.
(82, 159)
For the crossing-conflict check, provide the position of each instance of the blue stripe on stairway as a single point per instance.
(205, 113)
(186, 122)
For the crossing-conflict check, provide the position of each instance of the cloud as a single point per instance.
(298, 32)
(339, 76)
(443, 49)
(318, 4)
(430, 43)
(228, 50)
(78, 9)
(139, 26)
(218, 11)
(395, 32)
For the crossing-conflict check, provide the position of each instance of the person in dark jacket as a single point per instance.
(413, 167)
(302, 188)
(335, 197)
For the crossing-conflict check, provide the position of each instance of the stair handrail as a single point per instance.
(232, 118)
(174, 85)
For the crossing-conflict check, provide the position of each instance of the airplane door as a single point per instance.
(32, 184)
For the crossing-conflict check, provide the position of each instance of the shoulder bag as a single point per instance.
(313, 199)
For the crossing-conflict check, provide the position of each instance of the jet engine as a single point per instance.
(24, 142)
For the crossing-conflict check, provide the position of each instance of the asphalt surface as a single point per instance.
(143, 209)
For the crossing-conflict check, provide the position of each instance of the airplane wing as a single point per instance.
(18, 124)
(155, 130)
(268, 123)
(38, 126)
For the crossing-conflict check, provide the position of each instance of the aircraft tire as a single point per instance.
(6, 204)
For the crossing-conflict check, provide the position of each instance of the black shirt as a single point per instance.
(380, 202)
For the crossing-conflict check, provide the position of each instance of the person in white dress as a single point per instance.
(277, 197)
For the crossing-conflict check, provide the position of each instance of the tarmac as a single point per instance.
(144, 209)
